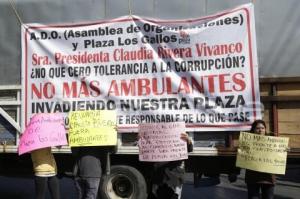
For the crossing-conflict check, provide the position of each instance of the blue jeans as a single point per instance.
(267, 191)
(87, 188)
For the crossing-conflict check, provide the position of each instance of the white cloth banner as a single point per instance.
(201, 71)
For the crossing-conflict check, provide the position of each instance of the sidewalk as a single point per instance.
(287, 187)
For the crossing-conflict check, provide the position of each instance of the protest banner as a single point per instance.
(92, 128)
(160, 142)
(201, 71)
(44, 130)
(262, 153)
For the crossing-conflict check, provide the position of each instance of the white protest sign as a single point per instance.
(201, 71)
(162, 142)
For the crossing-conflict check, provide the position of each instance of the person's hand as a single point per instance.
(116, 128)
(184, 136)
(140, 136)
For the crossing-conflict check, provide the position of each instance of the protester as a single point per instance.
(45, 171)
(168, 177)
(259, 181)
(87, 171)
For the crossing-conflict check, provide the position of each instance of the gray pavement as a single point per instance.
(288, 187)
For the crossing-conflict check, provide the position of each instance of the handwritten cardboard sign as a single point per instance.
(161, 142)
(92, 128)
(262, 153)
(44, 130)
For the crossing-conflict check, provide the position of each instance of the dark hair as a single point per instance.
(255, 123)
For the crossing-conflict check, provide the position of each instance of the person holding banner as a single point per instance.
(45, 171)
(259, 181)
(87, 171)
(168, 177)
